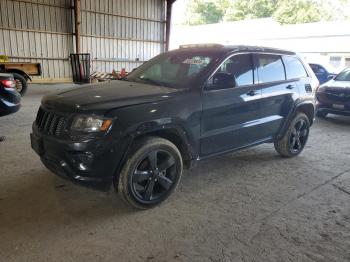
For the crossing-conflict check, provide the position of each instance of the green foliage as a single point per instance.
(298, 11)
(284, 11)
(204, 12)
(249, 9)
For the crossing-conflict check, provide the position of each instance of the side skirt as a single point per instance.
(267, 140)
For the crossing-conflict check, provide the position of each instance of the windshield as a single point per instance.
(343, 76)
(174, 69)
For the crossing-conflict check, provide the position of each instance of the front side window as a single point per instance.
(294, 68)
(175, 70)
(270, 68)
(235, 71)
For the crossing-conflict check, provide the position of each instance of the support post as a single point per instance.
(77, 18)
(169, 5)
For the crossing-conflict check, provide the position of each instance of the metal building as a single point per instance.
(117, 33)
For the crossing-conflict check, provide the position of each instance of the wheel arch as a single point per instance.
(22, 73)
(308, 108)
(174, 134)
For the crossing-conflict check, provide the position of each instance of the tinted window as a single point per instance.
(173, 69)
(344, 76)
(241, 69)
(270, 68)
(317, 69)
(294, 68)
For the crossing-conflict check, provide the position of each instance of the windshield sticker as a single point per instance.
(193, 61)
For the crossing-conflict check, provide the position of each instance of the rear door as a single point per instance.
(278, 94)
(230, 109)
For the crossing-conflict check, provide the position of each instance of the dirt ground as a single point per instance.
(247, 206)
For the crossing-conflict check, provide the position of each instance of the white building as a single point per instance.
(323, 42)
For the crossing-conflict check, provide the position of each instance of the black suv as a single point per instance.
(180, 107)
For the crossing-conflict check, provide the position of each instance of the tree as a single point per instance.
(204, 12)
(249, 9)
(298, 11)
(284, 11)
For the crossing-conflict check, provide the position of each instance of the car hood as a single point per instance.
(337, 84)
(105, 96)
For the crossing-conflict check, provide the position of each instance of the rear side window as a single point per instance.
(240, 67)
(270, 68)
(294, 68)
(317, 69)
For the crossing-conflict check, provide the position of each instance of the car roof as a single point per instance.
(233, 49)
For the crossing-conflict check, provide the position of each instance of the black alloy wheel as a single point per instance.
(151, 172)
(298, 136)
(295, 138)
(154, 176)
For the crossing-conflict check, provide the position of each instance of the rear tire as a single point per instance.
(295, 139)
(151, 172)
(21, 83)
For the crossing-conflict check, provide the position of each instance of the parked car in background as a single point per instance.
(9, 98)
(21, 71)
(334, 96)
(180, 107)
(323, 73)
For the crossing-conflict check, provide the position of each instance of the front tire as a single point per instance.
(21, 83)
(151, 172)
(295, 139)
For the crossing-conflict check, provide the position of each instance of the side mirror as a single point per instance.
(222, 81)
(330, 77)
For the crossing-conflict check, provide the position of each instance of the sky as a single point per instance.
(179, 11)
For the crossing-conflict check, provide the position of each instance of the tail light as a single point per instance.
(8, 83)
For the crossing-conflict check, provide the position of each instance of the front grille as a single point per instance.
(339, 94)
(50, 123)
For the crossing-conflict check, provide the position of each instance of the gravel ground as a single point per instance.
(247, 206)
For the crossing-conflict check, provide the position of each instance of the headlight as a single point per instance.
(91, 124)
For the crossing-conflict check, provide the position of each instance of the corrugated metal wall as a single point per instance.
(38, 31)
(117, 33)
(122, 33)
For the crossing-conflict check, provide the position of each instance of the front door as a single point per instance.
(230, 104)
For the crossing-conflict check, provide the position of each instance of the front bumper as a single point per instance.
(333, 105)
(327, 109)
(7, 107)
(89, 162)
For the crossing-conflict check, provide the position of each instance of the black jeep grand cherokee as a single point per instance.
(180, 107)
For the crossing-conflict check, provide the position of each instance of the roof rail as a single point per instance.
(200, 45)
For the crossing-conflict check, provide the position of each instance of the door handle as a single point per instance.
(252, 93)
(290, 87)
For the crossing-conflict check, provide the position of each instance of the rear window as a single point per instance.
(294, 68)
(270, 68)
